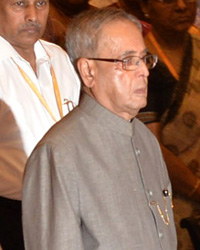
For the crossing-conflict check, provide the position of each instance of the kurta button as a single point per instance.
(137, 151)
(150, 193)
(160, 235)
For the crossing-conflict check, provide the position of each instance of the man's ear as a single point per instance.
(86, 71)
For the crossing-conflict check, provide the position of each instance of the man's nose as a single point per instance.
(31, 13)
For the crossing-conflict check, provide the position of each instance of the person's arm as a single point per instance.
(50, 202)
(12, 155)
(183, 180)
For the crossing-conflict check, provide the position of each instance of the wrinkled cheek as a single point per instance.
(120, 77)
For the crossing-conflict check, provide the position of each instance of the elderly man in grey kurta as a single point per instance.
(97, 180)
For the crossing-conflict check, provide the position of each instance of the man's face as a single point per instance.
(123, 92)
(23, 22)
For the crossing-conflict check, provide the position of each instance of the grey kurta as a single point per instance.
(93, 182)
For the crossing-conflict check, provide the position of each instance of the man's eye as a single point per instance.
(137, 62)
(19, 3)
(127, 60)
(130, 61)
(41, 3)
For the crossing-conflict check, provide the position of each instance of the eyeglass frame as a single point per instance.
(124, 61)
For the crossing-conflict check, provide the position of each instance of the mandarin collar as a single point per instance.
(105, 117)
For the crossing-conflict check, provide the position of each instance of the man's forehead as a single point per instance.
(115, 29)
(121, 37)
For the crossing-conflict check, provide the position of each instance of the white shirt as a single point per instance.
(23, 119)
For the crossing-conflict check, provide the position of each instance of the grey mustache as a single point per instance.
(30, 24)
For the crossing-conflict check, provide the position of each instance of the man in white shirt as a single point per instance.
(38, 86)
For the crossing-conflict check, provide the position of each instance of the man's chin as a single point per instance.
(30, 40)
(143, 104)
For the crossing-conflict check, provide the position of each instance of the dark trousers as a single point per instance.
(11, 236)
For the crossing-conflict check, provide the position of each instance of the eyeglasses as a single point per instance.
(174, 1)
(132, 62)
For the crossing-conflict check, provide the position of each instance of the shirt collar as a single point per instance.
(40, 52)
(8, 51)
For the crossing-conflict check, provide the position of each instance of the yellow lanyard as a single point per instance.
(40, 97)
(163, 56)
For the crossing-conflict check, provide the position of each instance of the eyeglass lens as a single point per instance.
(133, 62)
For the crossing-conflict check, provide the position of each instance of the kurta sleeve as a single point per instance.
(50, 203)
